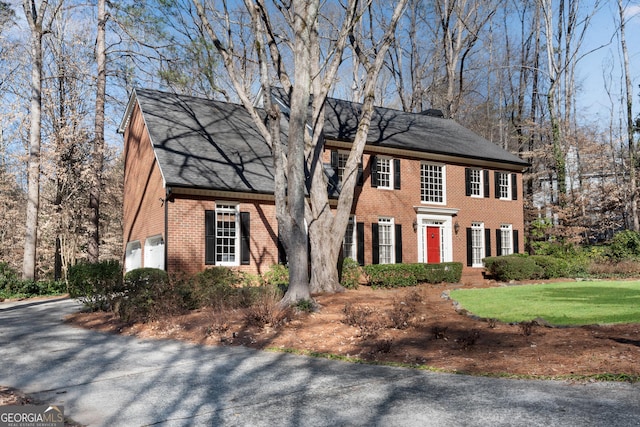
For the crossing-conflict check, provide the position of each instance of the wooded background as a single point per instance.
(511, 70)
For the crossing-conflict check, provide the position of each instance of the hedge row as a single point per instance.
(526, 267)
(399, 275)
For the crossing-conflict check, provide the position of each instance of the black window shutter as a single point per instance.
(360, 242)
(514, 186)
(487, 242)
(334, 160)
(374, 171)
(209, 237)
(498, 242)
(467, 181)
(469, 247)
(486, 183)
(245, 238)
(516, 243)
(396, 174)
(398, 248)
(375, 250)
(360, 174)
(496, 184)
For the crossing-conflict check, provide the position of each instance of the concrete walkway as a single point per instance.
(110, 380)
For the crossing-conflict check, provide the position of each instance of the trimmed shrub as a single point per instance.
(400, 275)
(96, 285)
(448, 272)
(147, 296)
(391, 275)
(552, 267)
(351, 272)
(215, 287)
(513, 267)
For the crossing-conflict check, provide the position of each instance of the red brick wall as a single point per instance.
(372, 203)
(186, 235)
(143, 212)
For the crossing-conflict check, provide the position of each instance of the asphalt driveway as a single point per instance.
(110, 380)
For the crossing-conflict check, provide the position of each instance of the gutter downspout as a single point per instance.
(166, 228)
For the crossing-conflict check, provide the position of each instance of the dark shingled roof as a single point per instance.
(215, 145)
(206, 144)
(411, 131)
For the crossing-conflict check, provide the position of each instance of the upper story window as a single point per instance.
(506, 185)
(385, 172)
(476, 182)
(339, 164)
(432, 183)
(342, 162)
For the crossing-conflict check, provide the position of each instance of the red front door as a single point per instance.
(433, 245)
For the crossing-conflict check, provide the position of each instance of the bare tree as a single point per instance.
(35, 18)
(461, 22)
(98, 142)
(629, 122)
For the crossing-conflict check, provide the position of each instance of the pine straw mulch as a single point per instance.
(413, 326)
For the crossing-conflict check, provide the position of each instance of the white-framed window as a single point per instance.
(227, 235)
(475, 182)
(349, 244)
(386, 240)
(432, 183)
(506, 239)
(385, 172)
(343, 156)
(477, 244)
(133, 256)
(504, 185)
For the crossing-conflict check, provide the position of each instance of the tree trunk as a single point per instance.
(297, 253)
(633, 186)
(98, 145)
(34, 18)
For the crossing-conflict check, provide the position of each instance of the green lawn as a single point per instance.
(569, 303)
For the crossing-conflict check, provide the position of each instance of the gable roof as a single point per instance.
(208, 144)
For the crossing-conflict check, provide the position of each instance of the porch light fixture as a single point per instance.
(456, 227)
(415, 225)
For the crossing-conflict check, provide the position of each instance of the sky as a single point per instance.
(593, 100)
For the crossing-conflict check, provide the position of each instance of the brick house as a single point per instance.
(198, 187)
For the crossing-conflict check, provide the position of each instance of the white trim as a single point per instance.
(444, 182)
(391, 223)
(391, 185)
(439, 219)
(478, 226)
(223, 207)
(429, 210)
